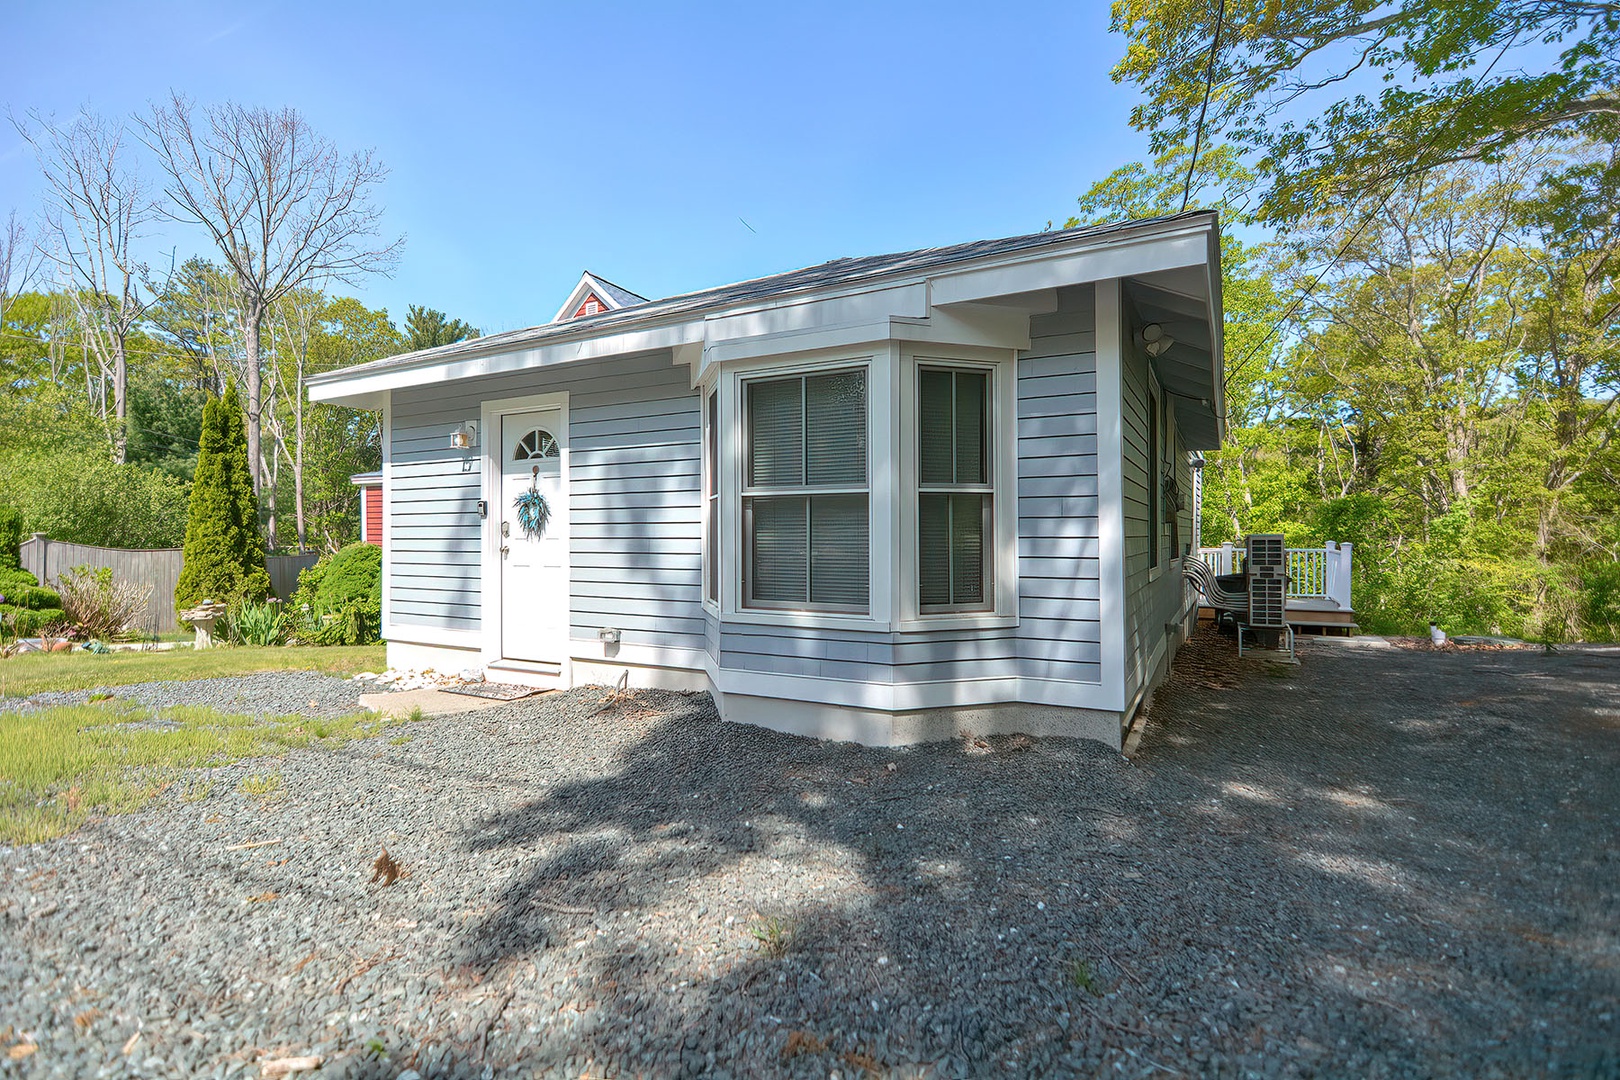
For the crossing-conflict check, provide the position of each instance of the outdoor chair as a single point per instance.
(1215, 589)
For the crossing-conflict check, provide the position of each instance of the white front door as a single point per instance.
(533, 559)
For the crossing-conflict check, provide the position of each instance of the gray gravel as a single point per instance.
(271, 693)
(1380, 863)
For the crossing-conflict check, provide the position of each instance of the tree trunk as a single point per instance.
(272, 471)
(120, 401)
(253, 388)
(298, 456)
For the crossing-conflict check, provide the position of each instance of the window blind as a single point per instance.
(806, 503)
(776, 433)
(954, 509)
(835, 429)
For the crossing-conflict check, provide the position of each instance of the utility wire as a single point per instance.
(1209, 84)
(1299, 300)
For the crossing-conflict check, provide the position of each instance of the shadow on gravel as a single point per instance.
(939, 923)
(1386, 863)
(1441, 830)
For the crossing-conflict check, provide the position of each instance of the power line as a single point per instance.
(1356, 233)
(1209, 84)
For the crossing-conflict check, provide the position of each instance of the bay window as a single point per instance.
(955, 492)
(806, 494)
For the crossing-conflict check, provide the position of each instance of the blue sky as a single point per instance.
(526, 142)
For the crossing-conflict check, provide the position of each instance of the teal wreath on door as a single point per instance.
(533, 513)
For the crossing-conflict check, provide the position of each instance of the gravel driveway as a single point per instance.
(1380, 863)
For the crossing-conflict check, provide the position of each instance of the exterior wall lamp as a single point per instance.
(1155, 340)
(465, 437)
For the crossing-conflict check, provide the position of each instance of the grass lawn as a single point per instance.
(61, 766)
(31, 673)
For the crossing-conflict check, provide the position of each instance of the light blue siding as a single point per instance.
(1059, 632)
(633, 500)
(635, 517)
(1154, 596)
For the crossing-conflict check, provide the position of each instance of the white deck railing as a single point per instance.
(1313, 573)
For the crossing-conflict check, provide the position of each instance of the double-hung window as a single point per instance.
(806, 495)
(955, 493)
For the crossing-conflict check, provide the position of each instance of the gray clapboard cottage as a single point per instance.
(887, 499)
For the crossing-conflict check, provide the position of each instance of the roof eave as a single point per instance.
(961, 282)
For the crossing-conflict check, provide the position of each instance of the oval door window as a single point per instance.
(535, 446)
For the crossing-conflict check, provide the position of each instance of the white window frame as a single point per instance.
(711, 495)
(1153, 408)
(806, 491)
(880, 436)
(1001, 442)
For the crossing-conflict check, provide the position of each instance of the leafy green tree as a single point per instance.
(82, 497)
(224, 552)
(1336, 100)
(165, 423)
(426, 328)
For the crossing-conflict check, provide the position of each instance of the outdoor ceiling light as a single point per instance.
(1156, 340)
(465, 437)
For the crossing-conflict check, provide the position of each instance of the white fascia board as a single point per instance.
(339, 395)
(494, 363)
(969, 325)
(1126, 257)
(793, 314)
(984, 326)
(793, 343)
(1217, 328)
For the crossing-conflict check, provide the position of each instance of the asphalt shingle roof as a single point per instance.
(846, 271)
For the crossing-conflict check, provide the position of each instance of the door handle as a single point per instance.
(504, 549)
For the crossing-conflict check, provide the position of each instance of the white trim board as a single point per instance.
(1113, 601)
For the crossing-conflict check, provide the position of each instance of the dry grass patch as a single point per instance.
(33, 673)
(61, 766)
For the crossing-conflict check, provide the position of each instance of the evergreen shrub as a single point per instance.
(224, 550)
(26, 607)
(339, 599)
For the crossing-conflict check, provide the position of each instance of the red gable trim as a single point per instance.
(586, 309)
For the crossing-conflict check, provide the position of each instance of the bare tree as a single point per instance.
(283, 206)
(292, 323)
(17, 262)
(95, 209)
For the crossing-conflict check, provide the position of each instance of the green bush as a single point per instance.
(339, 599)
(357, 622)
(11, 537)
(352, 574)
(224, 551)
(1600, 604)
(26, 606)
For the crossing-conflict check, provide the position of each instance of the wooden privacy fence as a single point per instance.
(48, 559)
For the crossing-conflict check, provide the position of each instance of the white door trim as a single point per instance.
(489, 435)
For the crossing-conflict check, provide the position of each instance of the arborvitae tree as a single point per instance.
(224, 554)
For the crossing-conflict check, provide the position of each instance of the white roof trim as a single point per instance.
(1029, 275)
(589, 285)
